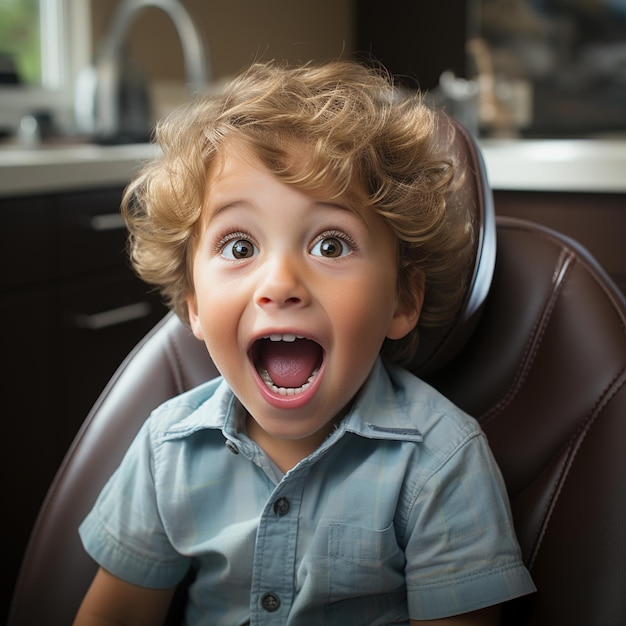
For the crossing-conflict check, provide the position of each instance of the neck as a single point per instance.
(286, 453)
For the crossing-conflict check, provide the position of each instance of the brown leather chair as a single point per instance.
(537, 353)
(545, 374)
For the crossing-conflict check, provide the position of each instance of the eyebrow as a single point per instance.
(347, 208)
(246, 204)
(229, 205)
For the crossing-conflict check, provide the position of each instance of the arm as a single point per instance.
(110, 601)
(489, 616)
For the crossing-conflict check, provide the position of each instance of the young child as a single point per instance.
(299, 223)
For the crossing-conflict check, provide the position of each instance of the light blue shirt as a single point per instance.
(401, 512)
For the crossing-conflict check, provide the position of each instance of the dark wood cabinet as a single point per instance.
(596, 220)
(72, 309)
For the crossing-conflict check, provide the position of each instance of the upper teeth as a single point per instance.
(284, 337)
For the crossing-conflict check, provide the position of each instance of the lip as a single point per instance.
(277, 400)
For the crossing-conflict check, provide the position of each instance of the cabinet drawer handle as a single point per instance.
(113, 317)
(107, 221)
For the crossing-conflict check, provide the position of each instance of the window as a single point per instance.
(20, 47)
(43, 43)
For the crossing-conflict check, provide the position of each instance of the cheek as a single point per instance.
(217, 310)
(364, 312)
(219, 333)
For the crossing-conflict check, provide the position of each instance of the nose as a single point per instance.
(282, 282)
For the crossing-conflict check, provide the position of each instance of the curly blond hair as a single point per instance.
(364, 139)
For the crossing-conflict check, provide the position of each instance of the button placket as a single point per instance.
(275, 552)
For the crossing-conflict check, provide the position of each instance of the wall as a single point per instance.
(237, 32)
(416, 40)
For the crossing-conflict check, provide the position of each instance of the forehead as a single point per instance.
(293, 162)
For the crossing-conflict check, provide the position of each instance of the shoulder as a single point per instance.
(203, 407)
(444, 426)
(435, 433)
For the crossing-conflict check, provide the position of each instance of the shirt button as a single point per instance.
(232, 447)
(270, 602)
(281, 507)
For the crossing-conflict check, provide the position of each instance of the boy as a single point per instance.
(299, 223)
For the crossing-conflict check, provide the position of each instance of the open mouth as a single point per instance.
(287, 363)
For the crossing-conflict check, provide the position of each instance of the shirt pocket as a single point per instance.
(364, 562)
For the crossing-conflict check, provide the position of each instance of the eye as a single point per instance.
(237, 248)
(332, 246)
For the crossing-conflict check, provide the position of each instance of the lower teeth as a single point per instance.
(286, 391)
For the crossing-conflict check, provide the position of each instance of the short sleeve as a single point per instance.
(124, 533)
(462, 553)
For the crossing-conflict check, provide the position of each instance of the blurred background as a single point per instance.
(549, 68)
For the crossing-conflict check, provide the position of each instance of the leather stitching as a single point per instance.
(561, 269)
(571, 448)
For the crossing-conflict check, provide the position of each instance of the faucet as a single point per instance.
(111, 99)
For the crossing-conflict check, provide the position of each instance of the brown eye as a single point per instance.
(239, 249)
(330, 248)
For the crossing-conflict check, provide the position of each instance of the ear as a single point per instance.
(194, 319)
(408, 308)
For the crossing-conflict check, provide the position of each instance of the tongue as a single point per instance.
(290, 364)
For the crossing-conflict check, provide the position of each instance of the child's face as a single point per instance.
(272, 261)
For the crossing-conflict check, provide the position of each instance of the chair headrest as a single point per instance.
(439, 345)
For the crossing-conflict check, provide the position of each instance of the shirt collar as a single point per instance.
(380, 410)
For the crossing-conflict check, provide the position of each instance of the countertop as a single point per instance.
(585, 165)
(70, 167)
